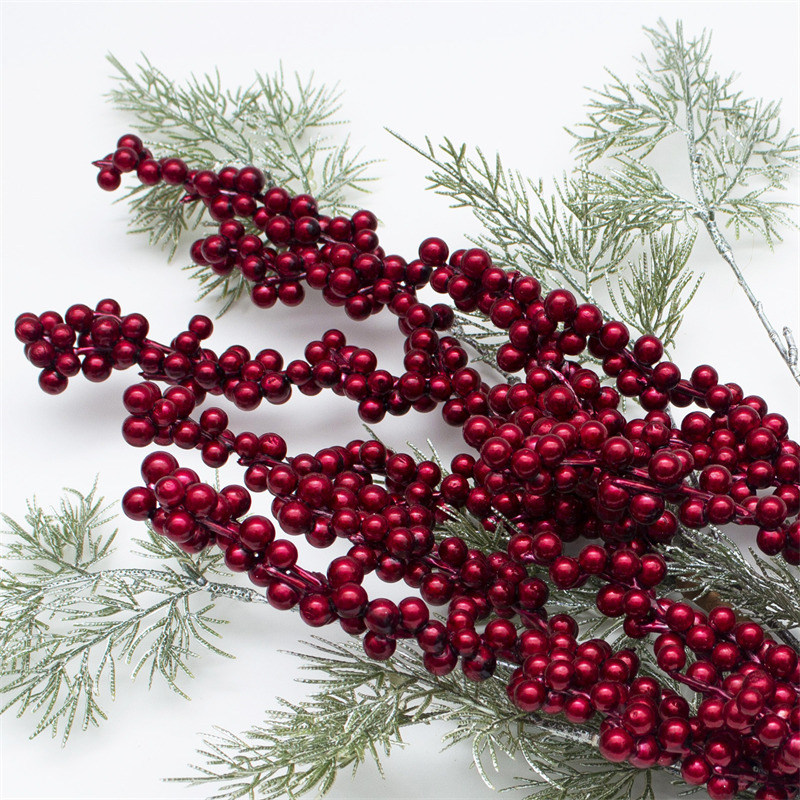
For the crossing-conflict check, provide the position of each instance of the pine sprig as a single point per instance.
(66, 540)
(654, 294)
(197, 566)
(296, 147)
(358, 717)
(582, 232)
(67, 621)
(707, 564)
(739, 158)
(286, 127)
(570, 239)
(743, 153)
(565, 771)
(556, 237)
(201, 117)
(158, 212)
(362, 709)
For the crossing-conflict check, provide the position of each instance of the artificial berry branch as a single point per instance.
(683, 686)
(582, 235)
(557, 462)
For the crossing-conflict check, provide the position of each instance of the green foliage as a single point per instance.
(739, 159)
(286, 127)
(66, 540)
(564, 770)
(66, 623)
(709, 564)
(358, 715)
(657, 289)
(556, 237)
(361, 710)
(737, 143)
(568, 239)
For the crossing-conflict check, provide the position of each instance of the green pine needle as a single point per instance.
(615, 204)
(360, 712)
(67, 623)
(743, 153)
(655, 292)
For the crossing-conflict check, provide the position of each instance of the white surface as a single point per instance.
(505, 76)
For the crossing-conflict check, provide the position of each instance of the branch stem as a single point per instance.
(786, 347)
(192, 583)
(705, 213)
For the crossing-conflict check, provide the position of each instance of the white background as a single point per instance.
(504, 76)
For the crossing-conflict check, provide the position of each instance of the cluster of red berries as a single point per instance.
(554, 458)
(565, 419)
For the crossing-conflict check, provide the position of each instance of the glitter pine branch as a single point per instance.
(739, 158)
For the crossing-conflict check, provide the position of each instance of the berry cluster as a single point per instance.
(553, 456)
(736, 451)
